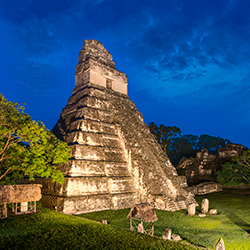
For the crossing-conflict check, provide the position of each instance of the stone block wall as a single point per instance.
(116, 160)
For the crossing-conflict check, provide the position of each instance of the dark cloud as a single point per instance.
(192, 34)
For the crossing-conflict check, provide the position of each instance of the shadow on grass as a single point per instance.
(238, 221)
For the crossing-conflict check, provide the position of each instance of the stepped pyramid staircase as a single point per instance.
(116, 160)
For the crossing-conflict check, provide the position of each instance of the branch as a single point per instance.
(9, 171)
(6, 157)
(246, 162)
(245, 178)
(6, 144)
(6, 172)
(244, 165)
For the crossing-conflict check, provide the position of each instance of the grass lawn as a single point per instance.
(51, 230)
(232, 223)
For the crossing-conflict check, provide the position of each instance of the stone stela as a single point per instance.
(167, 234)
(116, 160)
(192, 209)
(205, 206)
(220, 245)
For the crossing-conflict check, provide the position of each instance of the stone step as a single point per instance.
(92, 139)
(103, 153)
(89, 185)
(95, 168)
(91, 101)
(92, 126)
(94, 114)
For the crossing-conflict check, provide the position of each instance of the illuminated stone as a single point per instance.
(116, 160)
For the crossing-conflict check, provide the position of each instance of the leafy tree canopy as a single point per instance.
(177, 145)
(236, 171)
(27, 148)
(164, 134)
(211, 143)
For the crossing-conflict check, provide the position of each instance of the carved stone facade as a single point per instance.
(116, 160)
(230, 150)
(203, 168)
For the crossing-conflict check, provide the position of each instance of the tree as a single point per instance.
(185, 145)
(164, 134)
(237, 171)
(27, 148)
(178, 146)
(211, 143)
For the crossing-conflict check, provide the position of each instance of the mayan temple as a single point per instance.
(116, 160)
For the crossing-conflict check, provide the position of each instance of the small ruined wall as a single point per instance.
(203, 168)
(204, 188)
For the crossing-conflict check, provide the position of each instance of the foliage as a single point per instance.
(27, 148)
(232, 223)
(51, 230)
(236, 171)
(189, 145)
(181, 146)
(164, 134)
(211, 143)
(178, 146)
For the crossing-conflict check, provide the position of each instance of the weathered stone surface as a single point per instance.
(116, 160)
(231, 150)
(204, 188)
(203, 168)
(167, 234)
(204, 206)
(213, 211)
(176, 237)
(191, 209)
(202, 215)
(220, 245)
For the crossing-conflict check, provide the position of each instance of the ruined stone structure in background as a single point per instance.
(230, 150)
(203, 168)
(116, 160)
(204, 188)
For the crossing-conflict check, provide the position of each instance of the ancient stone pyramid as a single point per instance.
(116, 160)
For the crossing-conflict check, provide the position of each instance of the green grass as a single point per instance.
(51, 230)
(232, 223)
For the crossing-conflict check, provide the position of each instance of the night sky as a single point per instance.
(187, 61)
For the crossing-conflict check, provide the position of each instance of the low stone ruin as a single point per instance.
(205, 188)
(203, 168)
(213, 211)
(22, 198)
(176, 237)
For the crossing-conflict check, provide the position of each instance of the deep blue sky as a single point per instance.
(187, 61)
